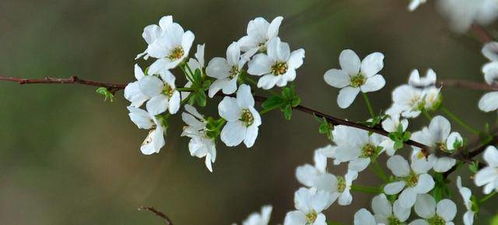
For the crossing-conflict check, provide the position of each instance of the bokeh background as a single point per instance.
(67, 157)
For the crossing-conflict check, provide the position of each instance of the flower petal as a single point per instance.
(337, 78)
(374, 83)
(233, 133)
(372, 64)
(346, 96)
(350, 62)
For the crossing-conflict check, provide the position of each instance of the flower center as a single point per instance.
(411, 180)
(441, 146)
(311, 217)
(436, 220)
(358, 80)
(341, 184)
(394, 221)
(368, 151)
(234, 71)
(176, 53)
(168, 90)
(247, 117)
(279, 68)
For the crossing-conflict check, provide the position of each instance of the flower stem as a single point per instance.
(487, 197)
(369, 105)
(186, 89)
(427, 115)
(459, 121)
(379, 172)
(366, 189)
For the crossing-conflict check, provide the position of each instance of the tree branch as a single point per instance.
(114, 87)
(157, 213)
(481, 33)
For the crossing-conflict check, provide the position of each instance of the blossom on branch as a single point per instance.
(355, 76)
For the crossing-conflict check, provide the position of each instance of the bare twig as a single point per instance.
(468, 85)
(157, 213)
(481, 33)
(112, 87)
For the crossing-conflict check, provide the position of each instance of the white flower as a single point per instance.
(153, 32)
(144, 120)
(466, 193)
(309, 204)
(364, 217)
(170, 48)
(408, 100)
(414, 4)
(385, 213)
(393, 123)
(316, 176)
(412, 180)
(490, 50)
(262, 218)
(342, 191)
(259, 33)
(355, 76)
(442, 213)
(132, 91)
(488, 176)
(200, 145)
(242, 118)
(438, 137)
(162, 92)
(226, 71)
(356, 147)
(198, 62)
(422, 82)
(489, 102)
(463, 13)
(278, 66)
(432, 98)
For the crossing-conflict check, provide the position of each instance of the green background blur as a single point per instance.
(67, 157)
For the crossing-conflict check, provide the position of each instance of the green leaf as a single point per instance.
(474, 167)
(201, 98)
(441, 190)
(272, 102)
(325, 127)
(106, 93)
(287, 110)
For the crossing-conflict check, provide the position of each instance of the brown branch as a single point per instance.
(157, 213)
(113, 87)
(481, 33)
(467, 85)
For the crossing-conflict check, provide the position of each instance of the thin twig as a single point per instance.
(113, 87)
(481, 33)
(157, 213)
(467, 85)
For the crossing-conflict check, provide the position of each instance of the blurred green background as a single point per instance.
(67, 157)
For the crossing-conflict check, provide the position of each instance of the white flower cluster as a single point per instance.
(418, 177)
(489, 102)
(265, 55)
(463, 13)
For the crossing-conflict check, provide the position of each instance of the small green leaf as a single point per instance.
(106, 93)
(474, 167)
(272, 102)
(287, 110)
